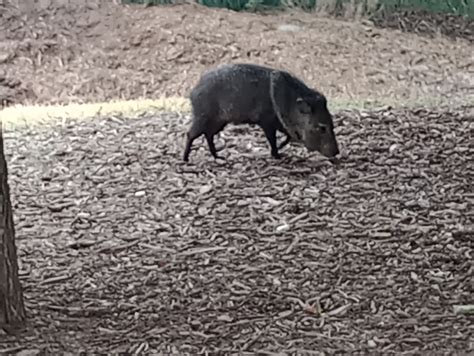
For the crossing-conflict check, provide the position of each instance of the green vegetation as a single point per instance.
(457, 7)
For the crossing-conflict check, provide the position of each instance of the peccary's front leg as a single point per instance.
(284, 143)
(270, 133)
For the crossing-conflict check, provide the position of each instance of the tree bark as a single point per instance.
(12, 309)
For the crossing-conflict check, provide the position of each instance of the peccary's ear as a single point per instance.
(303, 106)
(320, 102)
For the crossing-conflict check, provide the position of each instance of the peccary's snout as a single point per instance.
(325, 143)
(330, 149)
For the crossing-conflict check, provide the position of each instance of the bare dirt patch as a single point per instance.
(125, 248)
(101, 51)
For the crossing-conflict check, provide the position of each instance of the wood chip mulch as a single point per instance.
(126, 249)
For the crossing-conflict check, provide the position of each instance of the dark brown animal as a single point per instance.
(273, 99)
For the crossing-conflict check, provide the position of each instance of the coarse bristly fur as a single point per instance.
(253, 94)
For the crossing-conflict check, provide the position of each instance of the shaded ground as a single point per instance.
(123, 248)
(101, 51)
(428, 23)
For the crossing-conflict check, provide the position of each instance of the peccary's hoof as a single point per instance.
(277, 155)
(216, 157)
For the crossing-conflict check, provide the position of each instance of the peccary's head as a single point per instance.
(303, 113)
(317, 128)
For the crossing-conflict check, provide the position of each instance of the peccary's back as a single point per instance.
(237, 93)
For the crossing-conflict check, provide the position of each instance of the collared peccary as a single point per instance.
(258, 95)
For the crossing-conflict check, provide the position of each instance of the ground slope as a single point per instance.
(102, 51)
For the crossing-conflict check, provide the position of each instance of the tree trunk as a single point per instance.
(12, 310)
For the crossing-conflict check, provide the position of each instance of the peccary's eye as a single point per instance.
(303, 106)
(322, 128)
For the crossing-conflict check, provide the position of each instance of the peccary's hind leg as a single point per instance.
(212, 130)
(194, 132)
(270, 133)
(187, 149)
(212, 147)
(207, 127)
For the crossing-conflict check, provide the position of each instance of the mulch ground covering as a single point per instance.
(99, 51)
(125, 248)
(428, 23)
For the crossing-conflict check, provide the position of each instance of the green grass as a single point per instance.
(33, 115)
(457, 7)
